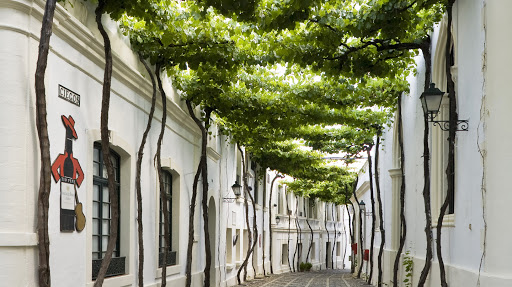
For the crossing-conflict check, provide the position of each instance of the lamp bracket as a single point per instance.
(461, 125)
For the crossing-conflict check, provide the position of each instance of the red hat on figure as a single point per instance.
(70, 123)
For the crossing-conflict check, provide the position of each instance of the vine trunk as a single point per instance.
(138, 188)
(372, 238)
(403, 223)
(426, 175)
(105, 146)
(450, 169)
(43, 201)
(381, 218)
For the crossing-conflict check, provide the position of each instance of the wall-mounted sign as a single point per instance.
(68, 171)
(69, 95)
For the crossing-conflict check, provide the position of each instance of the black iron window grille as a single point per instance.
(102, 216)
(171, 255)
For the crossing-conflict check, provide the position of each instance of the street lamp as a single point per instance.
(278, 219)
(362, 205)
(236, 191)
(431, 103)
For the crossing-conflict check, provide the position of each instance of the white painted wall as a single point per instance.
(75, 61)
(481, 83)
(497, 166)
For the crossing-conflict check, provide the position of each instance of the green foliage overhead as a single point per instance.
(331, 184)
(354, 38)
(290, 80)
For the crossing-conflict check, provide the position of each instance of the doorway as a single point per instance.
(327, 255)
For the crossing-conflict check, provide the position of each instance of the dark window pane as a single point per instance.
(102, 213)
(167, 182)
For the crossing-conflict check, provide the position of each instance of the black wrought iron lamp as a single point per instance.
(278, 219)
(236, 191)
(362, 205)
(431, 103)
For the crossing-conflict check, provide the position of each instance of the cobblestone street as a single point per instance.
(323, 278)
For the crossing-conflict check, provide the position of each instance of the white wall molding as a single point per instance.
(395, 172)
(363, 188)
(212, 154)
(17, 239)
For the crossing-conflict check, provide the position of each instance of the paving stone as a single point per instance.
(322, 278)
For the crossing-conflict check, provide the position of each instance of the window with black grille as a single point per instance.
(102, 215)
(171, 255)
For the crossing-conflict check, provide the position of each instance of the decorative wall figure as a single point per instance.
(68, 171)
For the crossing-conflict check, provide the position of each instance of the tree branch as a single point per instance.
(325, 25)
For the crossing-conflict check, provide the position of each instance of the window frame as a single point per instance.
(284, 254)
(118, 261)
(280, 201)
(312, 208)
(171, 256)
(171, 166)
(127, 205)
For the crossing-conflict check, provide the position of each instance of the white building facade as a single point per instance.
(475, 229)
(73, 87)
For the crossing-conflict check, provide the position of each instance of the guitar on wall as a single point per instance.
(79, 213)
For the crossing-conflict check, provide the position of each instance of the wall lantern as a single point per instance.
(236, 190)
(431, 103)
(278, 219)
(362, 207)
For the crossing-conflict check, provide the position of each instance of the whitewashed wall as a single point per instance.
(494, 138)
(480, 87)
(76, 62)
